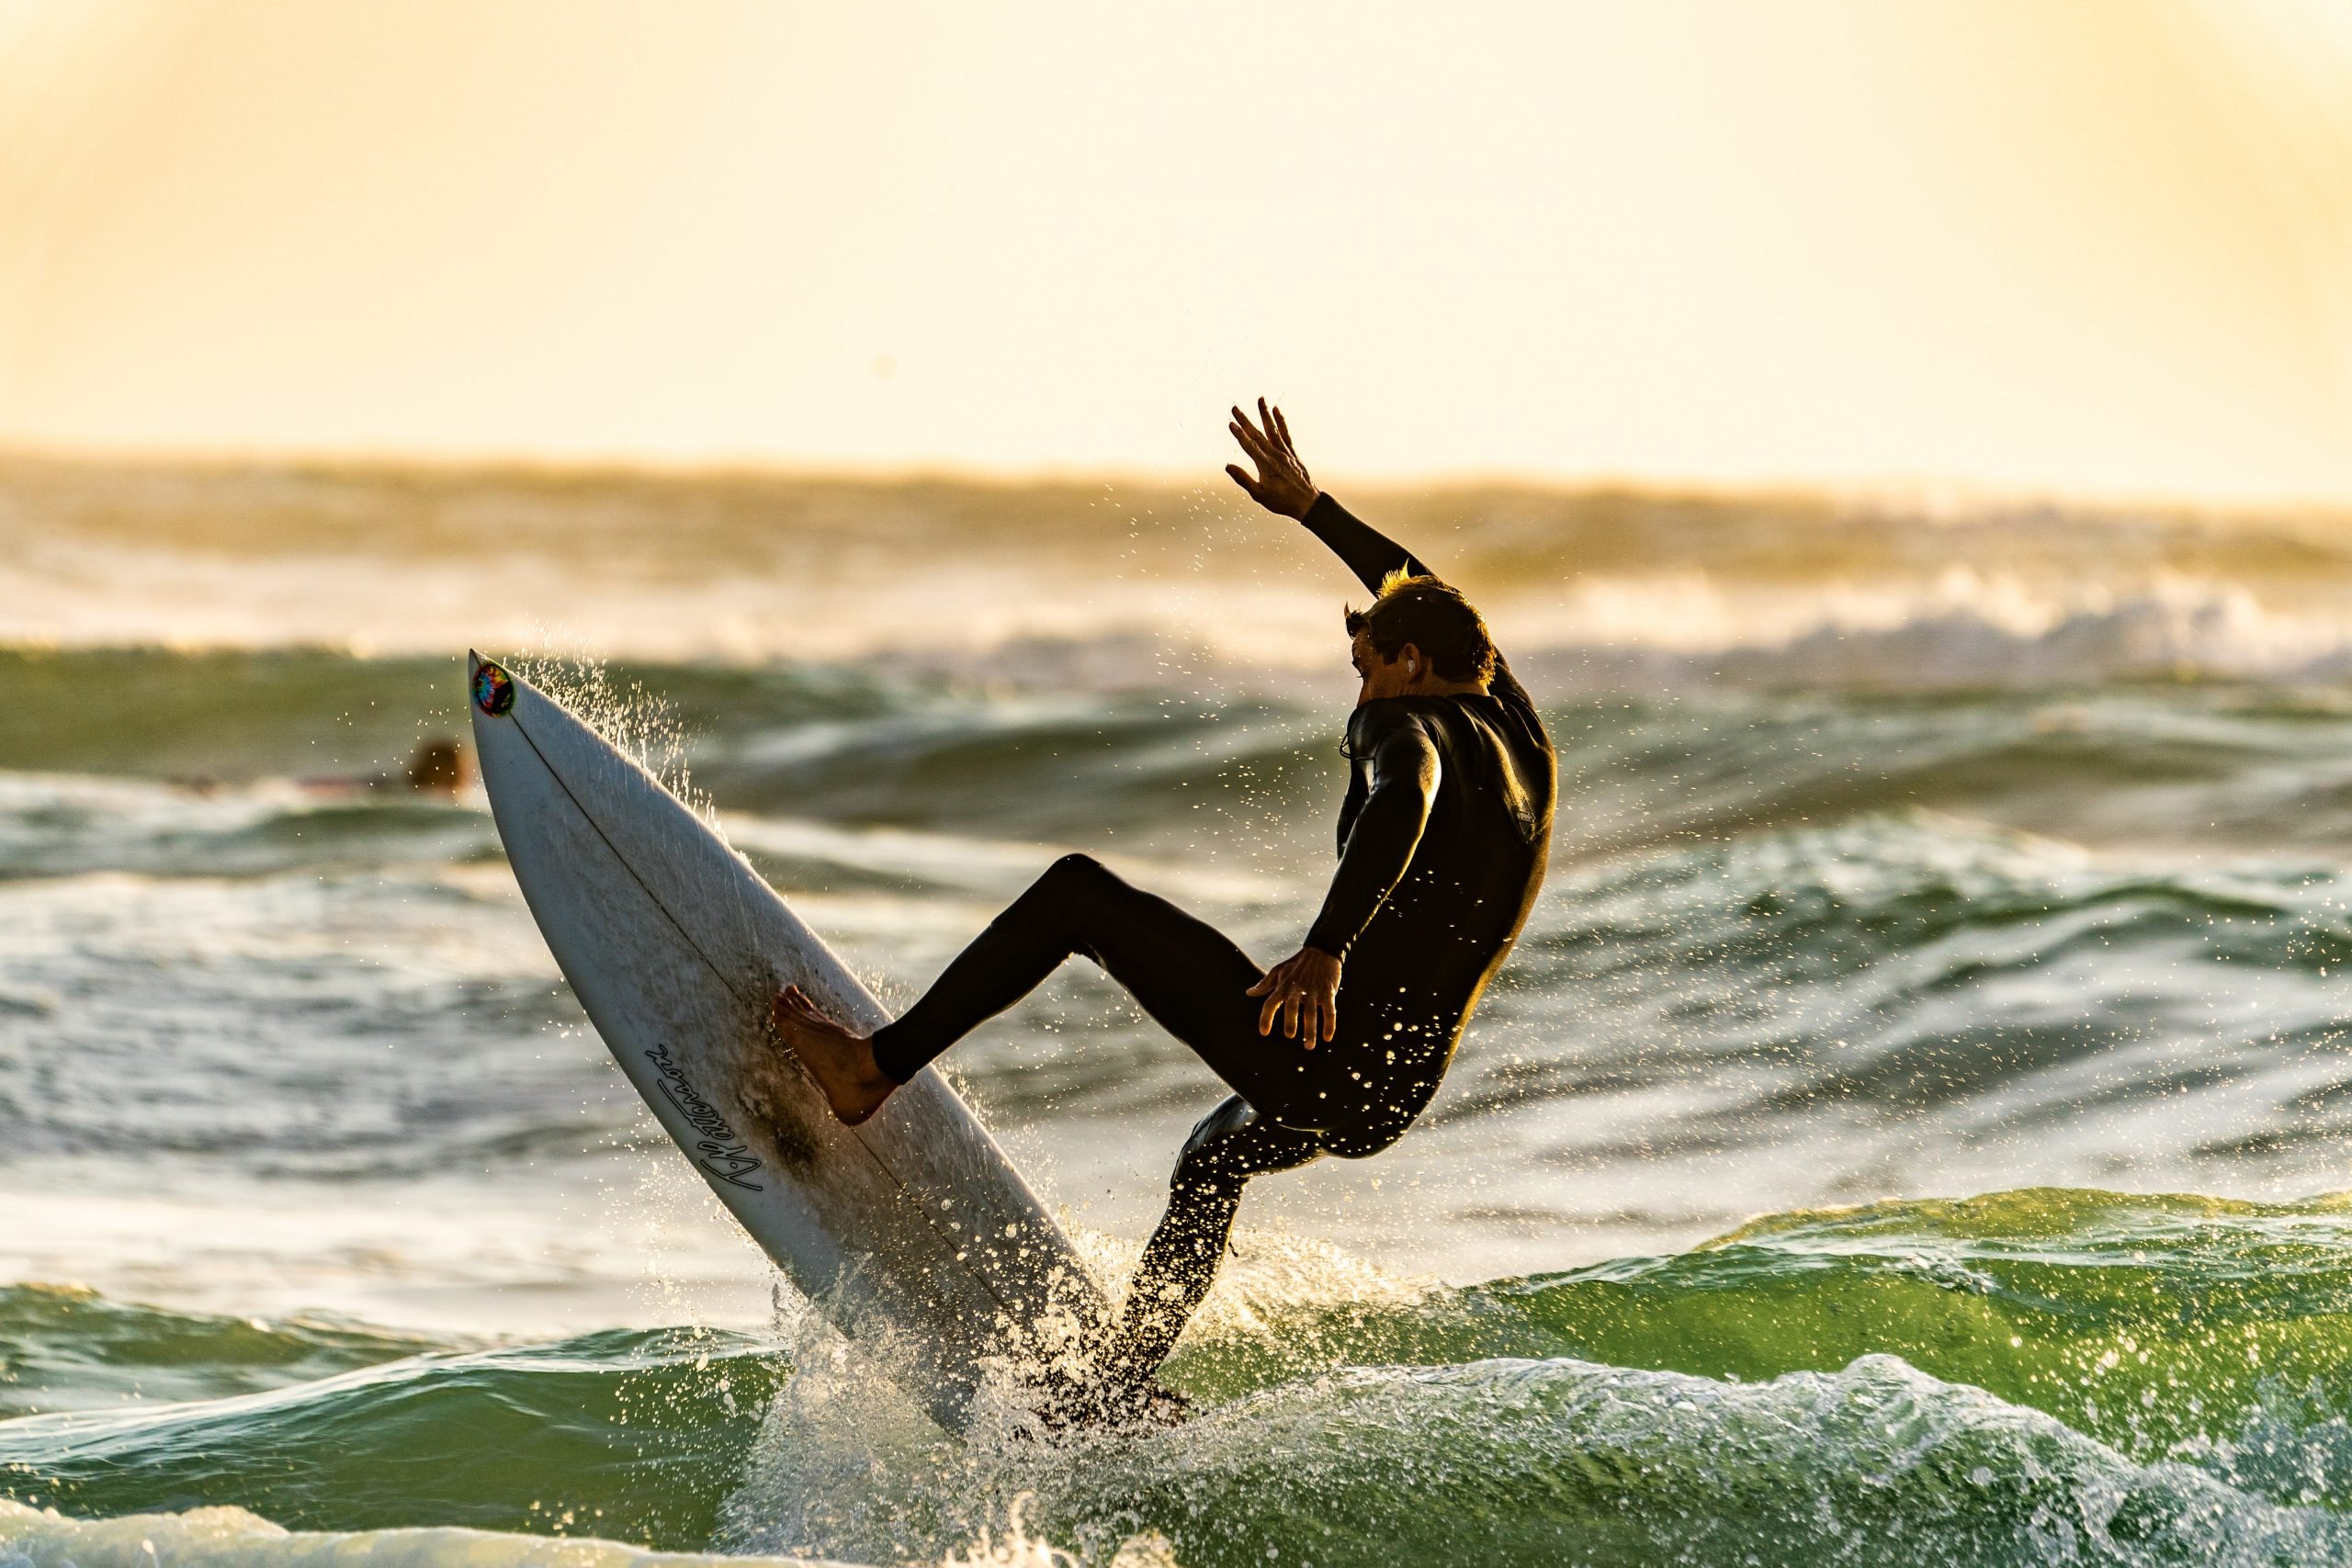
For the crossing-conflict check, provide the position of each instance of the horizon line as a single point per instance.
(1907, 490)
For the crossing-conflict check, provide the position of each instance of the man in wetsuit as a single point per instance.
(1442, 843)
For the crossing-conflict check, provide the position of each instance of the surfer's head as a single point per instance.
(1418, 636)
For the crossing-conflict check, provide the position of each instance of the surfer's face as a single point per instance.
(1382, 677)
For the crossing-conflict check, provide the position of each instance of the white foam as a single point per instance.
(233, 1538)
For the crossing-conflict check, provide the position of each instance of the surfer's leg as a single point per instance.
(1186, 974)
(1230, 1146)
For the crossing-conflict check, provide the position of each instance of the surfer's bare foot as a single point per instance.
(839, 1059)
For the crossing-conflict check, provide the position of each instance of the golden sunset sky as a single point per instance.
(2084, 245)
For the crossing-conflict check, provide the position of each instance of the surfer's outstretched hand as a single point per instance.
(1282, 485)
(839, 1059)
(1304, 989)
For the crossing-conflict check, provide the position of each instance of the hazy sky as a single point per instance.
(2098, 245)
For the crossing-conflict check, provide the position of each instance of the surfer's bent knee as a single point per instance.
(1233, 1113)
(1364, 1149)
(1206, 1172)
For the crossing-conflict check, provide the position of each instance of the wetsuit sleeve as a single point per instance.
(1365, 550)
(1403, 768)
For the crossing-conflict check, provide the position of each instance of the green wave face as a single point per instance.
(1563, 1461)
(2165, 1326)
(2032, 1376)
(634, 1436)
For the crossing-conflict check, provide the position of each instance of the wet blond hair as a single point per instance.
(1434, 617)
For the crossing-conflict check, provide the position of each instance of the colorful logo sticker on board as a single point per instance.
(494, 689)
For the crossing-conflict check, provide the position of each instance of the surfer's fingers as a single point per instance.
(1278, 435)
(1255, 454)
(1257, 445)
(1244, 480)
(1266, 1013)
(1265, 464)
(1265, 983)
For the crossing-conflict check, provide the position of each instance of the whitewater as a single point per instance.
(1910, 1129)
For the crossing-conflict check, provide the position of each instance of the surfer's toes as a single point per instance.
(791, 1004)
(799, 1021)
(794, 1017)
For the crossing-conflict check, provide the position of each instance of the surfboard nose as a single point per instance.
(492, 687)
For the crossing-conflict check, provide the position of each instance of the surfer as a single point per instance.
(437, 768)
(1442, 843)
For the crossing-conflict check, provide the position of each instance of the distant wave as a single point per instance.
(1098, 588)
(1908, 642)
(1284, 649)
(2184, 631)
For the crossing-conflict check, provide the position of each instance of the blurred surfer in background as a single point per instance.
(1442, 844)
(438, 768)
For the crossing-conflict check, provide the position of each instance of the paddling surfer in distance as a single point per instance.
(1442, 844)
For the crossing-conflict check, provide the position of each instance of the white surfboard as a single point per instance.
(911, 1232)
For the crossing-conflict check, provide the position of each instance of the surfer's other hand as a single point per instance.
(1304, 989)
(1281, 485)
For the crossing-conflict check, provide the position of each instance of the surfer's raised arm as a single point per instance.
(1283, 485)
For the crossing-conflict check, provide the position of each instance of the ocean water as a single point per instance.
(1910, 1130)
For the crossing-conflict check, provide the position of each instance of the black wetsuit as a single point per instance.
(1442, 844)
